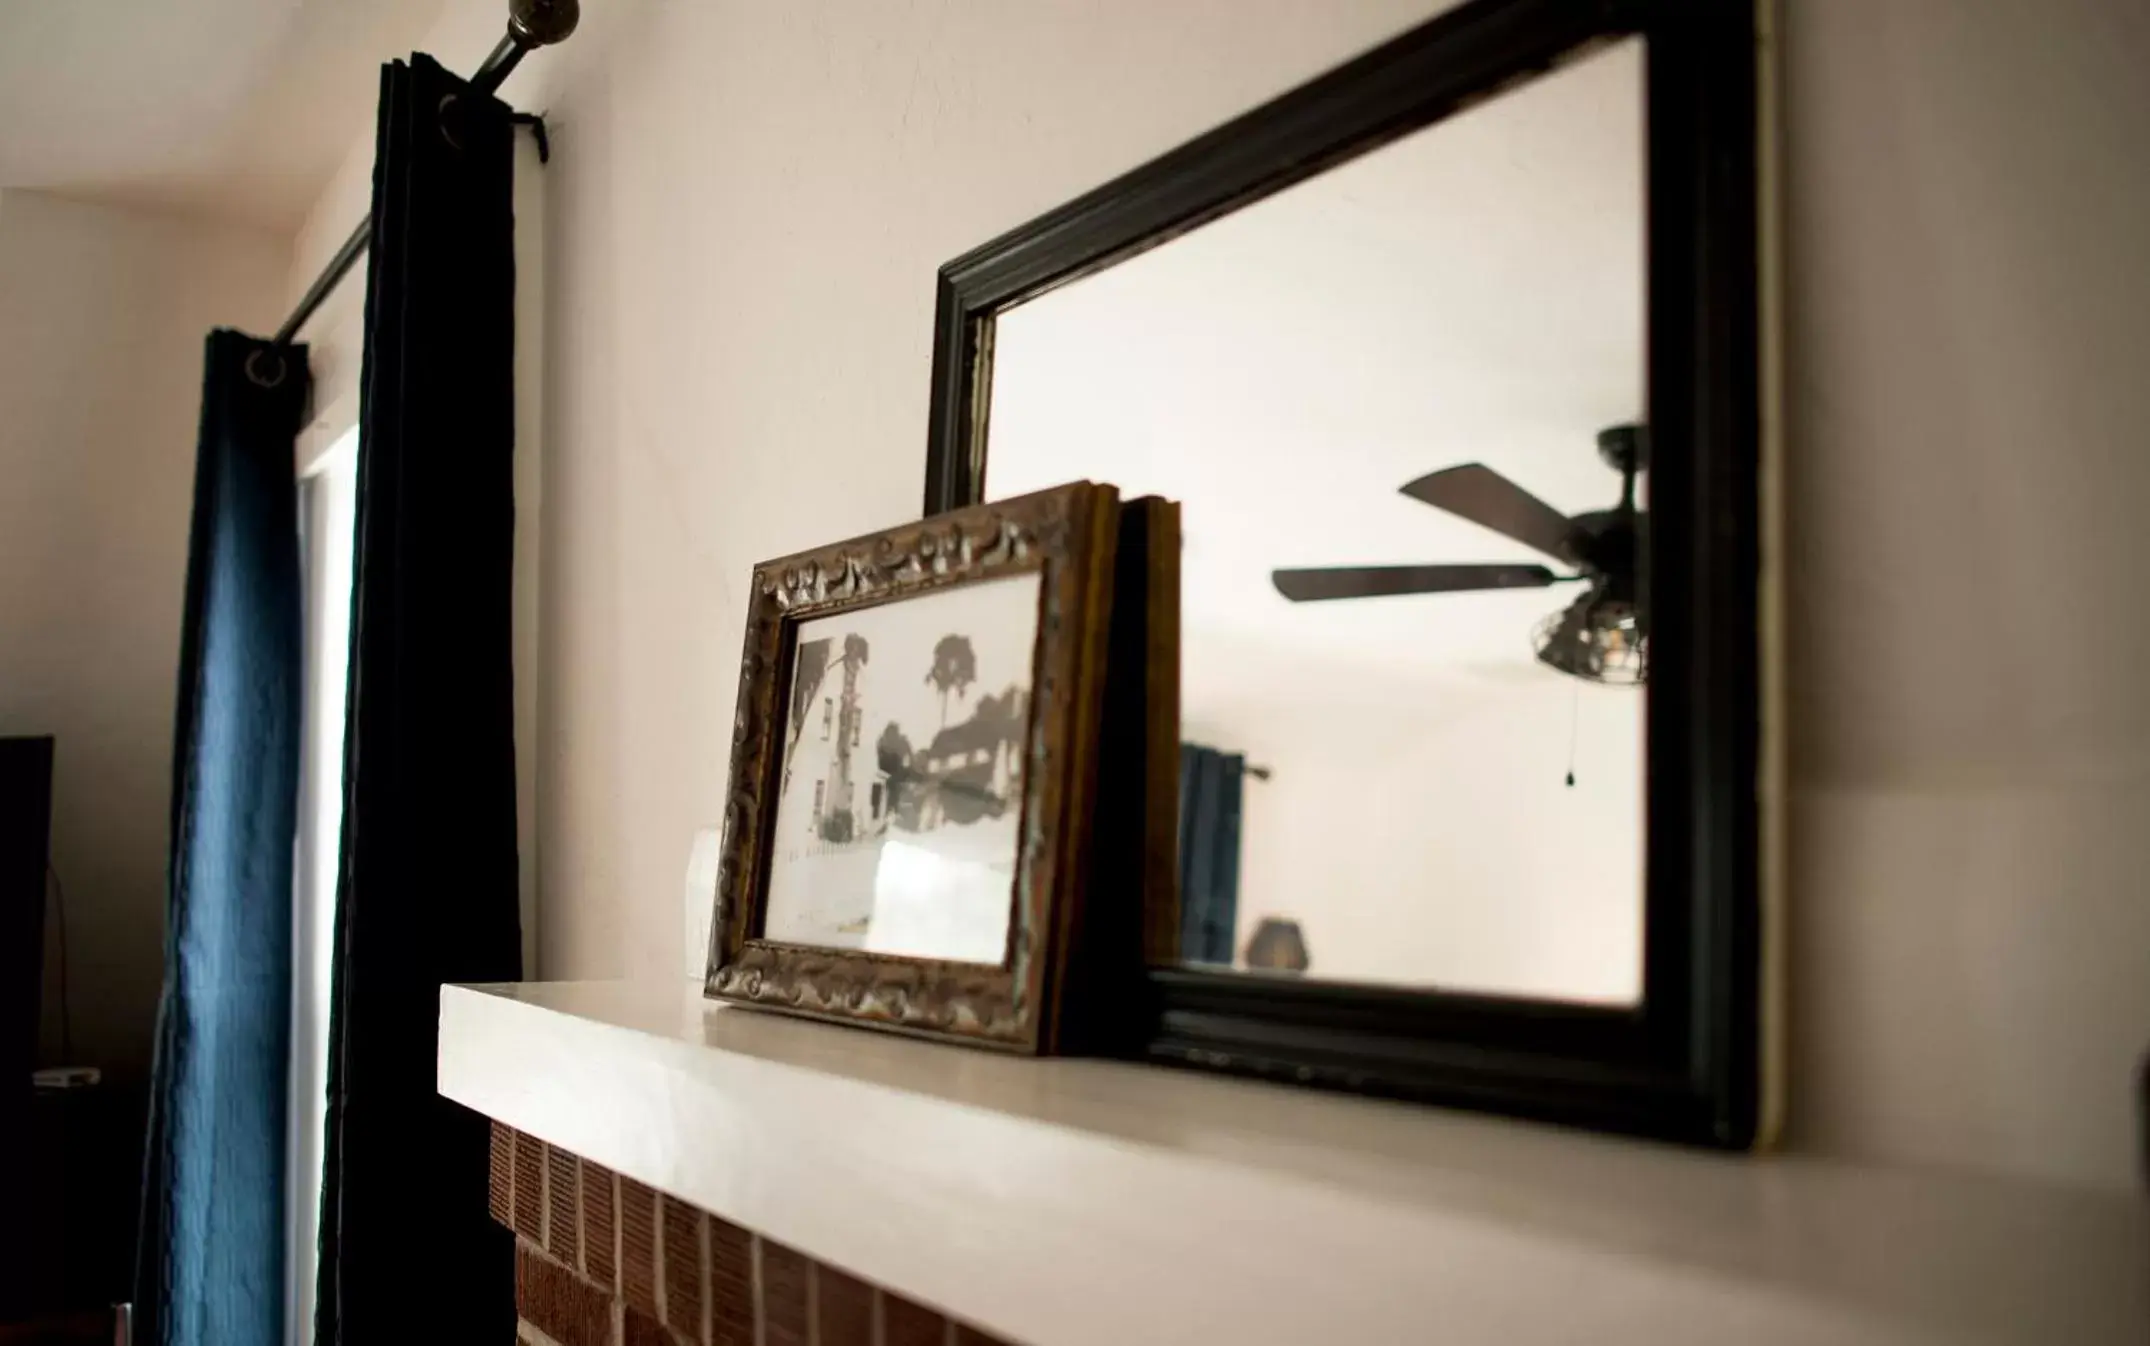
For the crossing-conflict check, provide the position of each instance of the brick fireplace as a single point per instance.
(601, 1260)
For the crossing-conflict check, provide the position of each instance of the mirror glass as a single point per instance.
(1402, 406)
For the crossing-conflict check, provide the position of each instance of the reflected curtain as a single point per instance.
(210, 1260)
(1211, 783)
(427, 890)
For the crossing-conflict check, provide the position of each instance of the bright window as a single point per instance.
(328, 498)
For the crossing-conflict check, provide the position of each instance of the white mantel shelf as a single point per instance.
(1090, 1203)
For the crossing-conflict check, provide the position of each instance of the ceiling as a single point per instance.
(1471, 293)
(229, 109)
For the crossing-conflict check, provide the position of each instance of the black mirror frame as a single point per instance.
(1687, 1064)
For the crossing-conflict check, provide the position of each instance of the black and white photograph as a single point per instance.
(901, 778)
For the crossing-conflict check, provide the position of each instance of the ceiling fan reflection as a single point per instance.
(1603, 636)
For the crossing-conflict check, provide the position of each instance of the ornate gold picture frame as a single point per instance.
(919, 714)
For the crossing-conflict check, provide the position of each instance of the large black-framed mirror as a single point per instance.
(1452, 356)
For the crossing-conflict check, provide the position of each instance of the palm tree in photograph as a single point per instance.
(955, 668)
(841, 820)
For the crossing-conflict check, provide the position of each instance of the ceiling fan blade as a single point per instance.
(1308, 586)
(1485, 497)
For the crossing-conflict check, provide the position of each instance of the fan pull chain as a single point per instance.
(1575, 710)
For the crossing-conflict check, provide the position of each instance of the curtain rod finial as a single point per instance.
(540, 23)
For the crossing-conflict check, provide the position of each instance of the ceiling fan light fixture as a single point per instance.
(1596, 638)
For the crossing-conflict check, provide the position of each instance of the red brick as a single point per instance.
(559, 1303)
(682, 1267)
(783, 1296)
(563, 1223)
(529, 1187)
(600, 1226)
(500, 1176)
(906, 1324)
(639, 1329)
(685, 1277)
(731, 1284)
(638, 1246)
(843, 1308)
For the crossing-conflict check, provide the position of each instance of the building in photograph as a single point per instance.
(845, 791)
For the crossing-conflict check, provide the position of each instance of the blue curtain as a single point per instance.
(210, 1263)
(1210, 787)
(427, 892)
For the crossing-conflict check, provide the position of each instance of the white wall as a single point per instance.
(1431, 840)
(102, 317)
(744, 215)
(1968, 329)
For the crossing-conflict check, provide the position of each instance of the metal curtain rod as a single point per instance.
(531, 24)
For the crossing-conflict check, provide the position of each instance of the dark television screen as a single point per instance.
(25, 823)
(25, 826)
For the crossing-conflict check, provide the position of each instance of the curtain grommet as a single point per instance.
(254, 374)
(449, 104)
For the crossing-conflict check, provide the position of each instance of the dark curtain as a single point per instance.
(210, 1263)
(1210, 786)
(428, 886)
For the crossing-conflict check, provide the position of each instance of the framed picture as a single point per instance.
(914, 767)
